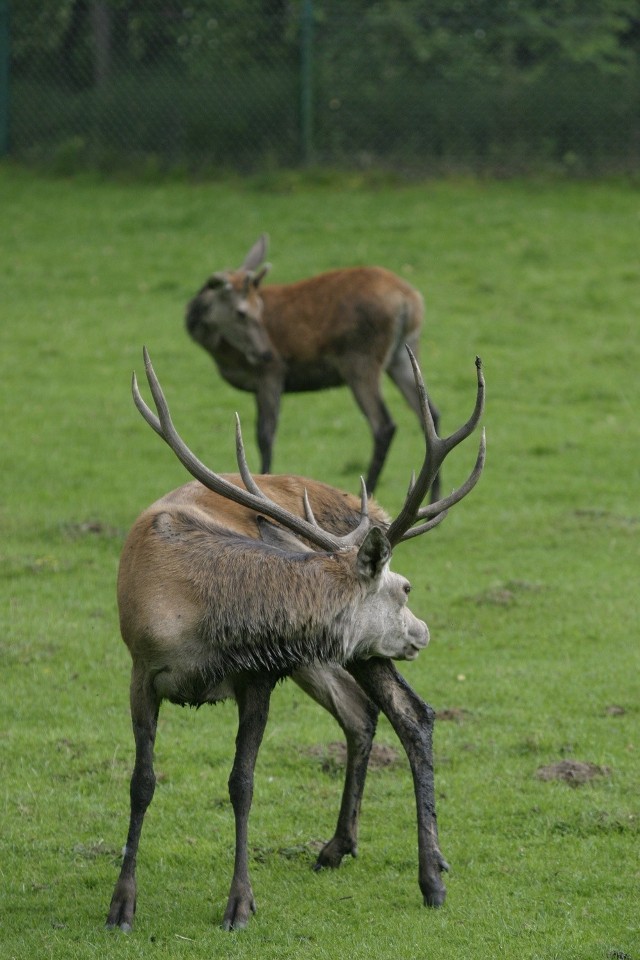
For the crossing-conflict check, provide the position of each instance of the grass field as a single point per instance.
(530, 587)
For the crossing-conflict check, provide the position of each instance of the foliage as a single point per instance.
(528, 586)
(483, 39)
(479, 85)
(145, 31)
(456, 38)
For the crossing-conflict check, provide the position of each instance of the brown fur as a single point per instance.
(201, 596)
(343, 327)
(326, 318)
(209, 611)
(219, 597)
(334, 509)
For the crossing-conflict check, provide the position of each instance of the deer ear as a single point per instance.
(261, 274)
(256, 254)
(373, 554)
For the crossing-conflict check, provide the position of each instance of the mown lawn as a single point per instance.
(530, 587)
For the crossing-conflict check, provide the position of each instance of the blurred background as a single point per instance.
(413, 87)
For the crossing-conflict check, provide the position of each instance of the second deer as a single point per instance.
(346, 326)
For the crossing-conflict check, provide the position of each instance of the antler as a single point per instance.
(437, 448)
(252, 497)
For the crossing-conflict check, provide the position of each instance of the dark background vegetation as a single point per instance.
(505, 86)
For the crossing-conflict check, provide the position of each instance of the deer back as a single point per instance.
(308, 332)
(334, 509)
(356, 309)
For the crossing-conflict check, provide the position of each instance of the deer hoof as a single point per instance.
(124, 927)
(122, 908)
(238, 912)
(435, 898)
(332, 854)
(434, 892)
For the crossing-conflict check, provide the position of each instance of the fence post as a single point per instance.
(306, 84)
(4, 77)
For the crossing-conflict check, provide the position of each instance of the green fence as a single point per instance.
(247, 85)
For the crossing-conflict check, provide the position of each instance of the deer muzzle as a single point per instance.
(417, 638)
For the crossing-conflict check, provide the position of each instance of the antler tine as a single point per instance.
(434, 455)
(252, 497)
(436, 449)
(243, 466)
(473, 421)
(146, 412)
(423, 527)
(364, 499)
(357, 534)
(308, 512)
(162, 424)
(432, 460)
(442, 506)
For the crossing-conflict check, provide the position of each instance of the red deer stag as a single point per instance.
(342, 327)
(232, 582)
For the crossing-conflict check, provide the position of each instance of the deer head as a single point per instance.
(229, 308)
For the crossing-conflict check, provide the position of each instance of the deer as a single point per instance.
(233, 582)
(342, 327)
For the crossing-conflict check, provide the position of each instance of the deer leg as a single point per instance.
(268, 409)
(144, 715)
(366, 390)
(335, 690)
(252, 693)
(413, 720)
(401, 372)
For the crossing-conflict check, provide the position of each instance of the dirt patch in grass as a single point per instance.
(614, 710)
(505, 594)
(92, 851)
(333, 756)
(91, 528)
(607, 518)
(574, 772)
(452, 714)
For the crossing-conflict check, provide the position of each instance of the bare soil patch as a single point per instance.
(453, 714)
(574, 772)
(333, 756)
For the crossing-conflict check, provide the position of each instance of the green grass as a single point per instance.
(530, 587)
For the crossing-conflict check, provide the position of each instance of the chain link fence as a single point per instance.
(255, 85)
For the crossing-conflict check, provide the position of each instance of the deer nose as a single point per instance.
(193, 316)
(418, 639)
(258, 357)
